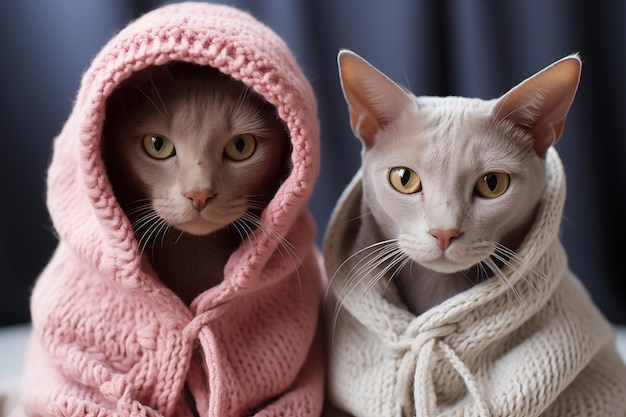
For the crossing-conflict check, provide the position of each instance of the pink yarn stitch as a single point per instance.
(109, 339)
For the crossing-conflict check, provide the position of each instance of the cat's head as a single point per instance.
(453, 177)
(191, 147)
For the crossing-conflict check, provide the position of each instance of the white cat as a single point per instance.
(450, 293)
(451, 183)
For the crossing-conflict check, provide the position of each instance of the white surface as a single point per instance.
(13, 341)
(12, 347)
(620, 336)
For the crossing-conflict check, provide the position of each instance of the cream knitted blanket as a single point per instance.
(535, 347)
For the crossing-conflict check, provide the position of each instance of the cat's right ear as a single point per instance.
(373, 99)
(540, 103)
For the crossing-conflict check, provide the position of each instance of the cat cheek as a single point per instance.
(422, 248)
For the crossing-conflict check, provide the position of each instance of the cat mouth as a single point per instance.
(445, 262)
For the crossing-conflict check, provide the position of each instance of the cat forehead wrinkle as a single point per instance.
(251, 121)
(428, 102)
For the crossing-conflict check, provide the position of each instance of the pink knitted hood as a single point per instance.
(108, 338)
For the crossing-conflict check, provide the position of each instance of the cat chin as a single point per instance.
(445, 265)
(198, 228)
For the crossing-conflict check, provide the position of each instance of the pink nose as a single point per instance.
(444, 237)
(200, 198)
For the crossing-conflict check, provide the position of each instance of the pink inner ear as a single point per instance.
(540, 103)
(373, 99)
(364, 126)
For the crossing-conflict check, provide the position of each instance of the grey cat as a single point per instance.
(194, 156)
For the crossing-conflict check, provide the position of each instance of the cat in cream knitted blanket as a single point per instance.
(450, 292)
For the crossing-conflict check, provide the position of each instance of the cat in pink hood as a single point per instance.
(112, 339)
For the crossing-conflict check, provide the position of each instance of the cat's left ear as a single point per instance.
(540, 103)
(374, 100)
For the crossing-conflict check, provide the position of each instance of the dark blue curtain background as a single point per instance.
(464, 47)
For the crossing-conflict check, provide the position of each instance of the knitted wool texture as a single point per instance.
(540, 348)
(108, 338)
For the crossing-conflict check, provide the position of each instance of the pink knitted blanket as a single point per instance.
(109, 339)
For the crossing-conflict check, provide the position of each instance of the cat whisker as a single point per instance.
(180, 235)
(162, 108)
(254, 219)
(517, 265)
(245, 92)
(147, 227)
(390, 259)
(255, 207)
(159, 226)
(165, 230)
(241, 229)
(359, 217)
(137, 208)
(367, 264)
(401, 262)
(483, 273)
(367, 260)
(512, 255)
(465, 276)
(429, 276)
(284, 245)
(350, 259)
(144, 221)
(497, 272)
(143, 224)
(251, 224)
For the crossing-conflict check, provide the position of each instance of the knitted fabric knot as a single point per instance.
(117, 387)
(416, 370)
(120, 391)
(192, 330)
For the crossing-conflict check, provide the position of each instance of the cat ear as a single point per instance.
(540, 103)
(373, 99)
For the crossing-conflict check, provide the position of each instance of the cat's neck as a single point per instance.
(189, 265)
(421, 289)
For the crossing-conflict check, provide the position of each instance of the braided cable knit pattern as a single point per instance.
(486, 352)
(108, 338)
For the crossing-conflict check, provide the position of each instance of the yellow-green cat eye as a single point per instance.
(492, 184)
(240, 147)
(405, 180)
(158, 147)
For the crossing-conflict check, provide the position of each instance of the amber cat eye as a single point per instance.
(240, 147)
(492, 184)
(405, 180)
(158, 147)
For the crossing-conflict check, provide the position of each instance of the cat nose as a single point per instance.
(444, 237)
(200, 198)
